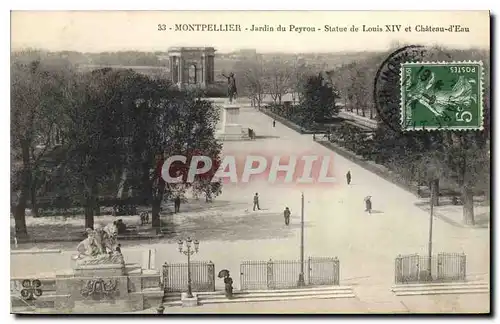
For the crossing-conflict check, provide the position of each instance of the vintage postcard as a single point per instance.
(267, 162)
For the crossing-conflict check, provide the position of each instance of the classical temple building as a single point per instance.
(191, 66)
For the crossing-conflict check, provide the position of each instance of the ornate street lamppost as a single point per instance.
(185, 248)
(431, 218)
(301, 281)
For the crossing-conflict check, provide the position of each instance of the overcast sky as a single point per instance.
(138, 30)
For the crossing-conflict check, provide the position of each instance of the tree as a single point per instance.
(341, 79)
(278, 77)
(459, 157)
(169, 122)
(250, 73)
(300, 73)
(96, 132)
(360, 88)
(35, 106)
(318, 100)
(466, 153)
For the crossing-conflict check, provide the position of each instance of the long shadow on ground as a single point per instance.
(226, 221)
(217, 221)
(250, 226)
(265, 136)
(482, 220)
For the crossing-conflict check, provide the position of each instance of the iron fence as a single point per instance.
(175, 276)
(282, 274)
(443, 267)
(323, 271)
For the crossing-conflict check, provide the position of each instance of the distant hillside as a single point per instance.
(224, 62)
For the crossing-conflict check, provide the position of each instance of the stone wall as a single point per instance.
(48, 263)
(135, 290)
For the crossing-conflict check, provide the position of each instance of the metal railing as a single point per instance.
(282, 274)
(444, 267)
(175, 276)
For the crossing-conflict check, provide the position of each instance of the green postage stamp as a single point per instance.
(442, 96)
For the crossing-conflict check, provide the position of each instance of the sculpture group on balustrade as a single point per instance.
(100, 247)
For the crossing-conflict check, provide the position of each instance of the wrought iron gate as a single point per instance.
(443, 267)
(451, 266)
(323, 271)
(281, 274)
(175, 276)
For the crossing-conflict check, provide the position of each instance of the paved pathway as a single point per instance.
(336, 224)
(418, 304)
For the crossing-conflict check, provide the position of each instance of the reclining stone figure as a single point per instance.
(99, 247)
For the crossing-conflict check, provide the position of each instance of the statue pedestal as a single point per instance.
(101, 289)
(230, 128)
(99, 283)
(100, 270)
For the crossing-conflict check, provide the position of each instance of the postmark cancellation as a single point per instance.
(442, 95)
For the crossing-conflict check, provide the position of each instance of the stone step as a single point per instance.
(250, 298)
(173, 299)
(312, 289)
(276, 294)
(236, 292)
(157, 291)
(173, 303)
(436, 284)
(442, 292)
(275, 298)
(441, 288)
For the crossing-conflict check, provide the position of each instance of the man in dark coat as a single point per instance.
(121, 227)
(348, 177)
(177, 204)
(287, 213)
(368, 203)
(256, 201)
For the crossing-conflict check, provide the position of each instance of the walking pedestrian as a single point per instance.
(274, 123)
(228, 284)
(177, 204)
(287, 213)
(256, 201)
(348, 177)
(368, 204)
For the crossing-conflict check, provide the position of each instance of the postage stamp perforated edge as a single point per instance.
(479, 127)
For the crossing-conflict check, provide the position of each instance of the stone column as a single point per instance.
(170, 64)
(172, 69)
(203, 74)
(210, 68)
(181, 71)
(175, 70)
(207, 65)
